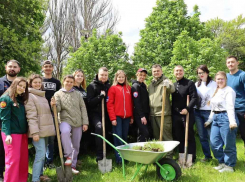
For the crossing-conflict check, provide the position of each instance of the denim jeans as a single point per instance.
(121, 129)
(50, 150)
(201, 116)
(240, 116)
(223, 140)
(38, 163)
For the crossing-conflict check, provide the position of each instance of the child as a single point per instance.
(14, 131)
(40, 123)
(73, 117)
(120, 108)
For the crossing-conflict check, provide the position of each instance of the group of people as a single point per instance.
(26, 110)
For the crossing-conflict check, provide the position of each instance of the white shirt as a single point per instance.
(224, 100)
(206, 93)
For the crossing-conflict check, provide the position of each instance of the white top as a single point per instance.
(206, 93)
(224, 100)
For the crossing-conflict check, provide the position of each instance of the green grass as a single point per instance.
(199, 172)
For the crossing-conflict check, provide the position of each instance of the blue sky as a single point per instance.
(133, 13)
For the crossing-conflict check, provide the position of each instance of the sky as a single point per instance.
(133, 13)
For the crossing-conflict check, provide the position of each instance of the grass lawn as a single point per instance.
(199, 172)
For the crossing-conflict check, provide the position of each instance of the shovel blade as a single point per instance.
(64, 176)
(185, 162)
(68, 174)
(60, 174)
(105, 165)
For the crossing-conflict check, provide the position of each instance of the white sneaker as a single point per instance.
(68, 161)
(226, 169)
(220, 166)
(74, 171)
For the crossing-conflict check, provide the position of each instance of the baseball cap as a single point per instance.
(142, 69)
(47, 62)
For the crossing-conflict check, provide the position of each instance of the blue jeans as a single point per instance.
(201, 116)
(121, 129)
(38, 163)
(50, 150)
(223, 140)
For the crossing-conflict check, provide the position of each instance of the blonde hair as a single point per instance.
(222, 73)
(84, 78)
(115, 82)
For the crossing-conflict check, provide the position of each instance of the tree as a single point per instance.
(163, 26)
(20, 37)
(191, 53)
(105, 50)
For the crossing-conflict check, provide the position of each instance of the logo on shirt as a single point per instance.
(49, 86)
(135, 94)
(3, 104)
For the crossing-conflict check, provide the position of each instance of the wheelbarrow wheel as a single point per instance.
(172, 168)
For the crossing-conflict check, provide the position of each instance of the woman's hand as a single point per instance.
(114, 122)
(233, 126)
(143, 121)
(52, 102)
(85, 128)
(35, 138)
(207, 123)
(8, 140)
(184, 112)
(131, 121)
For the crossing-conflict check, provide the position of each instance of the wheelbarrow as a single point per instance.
(167, 169)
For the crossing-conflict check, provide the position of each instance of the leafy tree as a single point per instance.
(167, 21)
(20, 37)
(106, 50)
(191, 53)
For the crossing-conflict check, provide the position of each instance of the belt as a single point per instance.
(218, 112)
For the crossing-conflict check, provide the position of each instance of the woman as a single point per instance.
(40, 123)
(120, 108)
(205, 90)
(224, 124)
(140, 97)
(14, 131)
(73, 118)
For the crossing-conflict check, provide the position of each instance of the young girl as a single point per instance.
(80, 84)
(14, 131)
(205, 90)
(40, 123)
(73, 118)
(224, 124)
(120, 108)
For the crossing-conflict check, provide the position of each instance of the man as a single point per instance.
(236, 80)
(155, 94)
(183, 87)
(50, 85)
(97, 90)
(12, 69)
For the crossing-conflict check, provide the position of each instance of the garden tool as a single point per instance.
(163, 110)
(104, 165)
(64, 174)
(185, 159)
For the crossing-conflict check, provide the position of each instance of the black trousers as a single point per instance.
(144, 131)
(2, 156)
(241, 119)
(179, 125)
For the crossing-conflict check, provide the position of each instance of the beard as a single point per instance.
(12, 73)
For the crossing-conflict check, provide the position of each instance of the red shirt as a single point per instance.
(119, 102)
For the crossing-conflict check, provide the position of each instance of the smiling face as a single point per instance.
(157, 72)
(21, 88)
(121, 78)
(202, 75)
(79, 78)
(68, 83)
(103, 76)
(232, 65)
(47, 69)
(220, 80)
(141, 76)
(178, 72)
(37, 83)
(12, 69)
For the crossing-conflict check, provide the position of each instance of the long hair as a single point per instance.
(204, 68)
(33, 77)
(115, 82)
(11, 91)
(222, 73)
(83, 84)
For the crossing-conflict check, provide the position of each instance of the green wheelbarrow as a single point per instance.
(167, 169)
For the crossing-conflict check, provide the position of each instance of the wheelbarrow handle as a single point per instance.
(120, 138)
(105, 141)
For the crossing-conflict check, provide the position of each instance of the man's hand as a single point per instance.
(114, 122)
(143, 121)
(184, 112)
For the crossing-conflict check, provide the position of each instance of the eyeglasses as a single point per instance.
(201, 73)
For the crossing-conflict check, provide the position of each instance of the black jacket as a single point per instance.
(140, 97)
(183, 88)
(93, 95)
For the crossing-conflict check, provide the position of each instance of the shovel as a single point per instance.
(185, 159)
(64, 174)
(104, 165)
(163, 109)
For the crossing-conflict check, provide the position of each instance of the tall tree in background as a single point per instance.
(20, 37)
(163, 26)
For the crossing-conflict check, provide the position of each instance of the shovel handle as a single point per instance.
(187, 126)
(162, 114)
(58, 137)
(103, 126)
